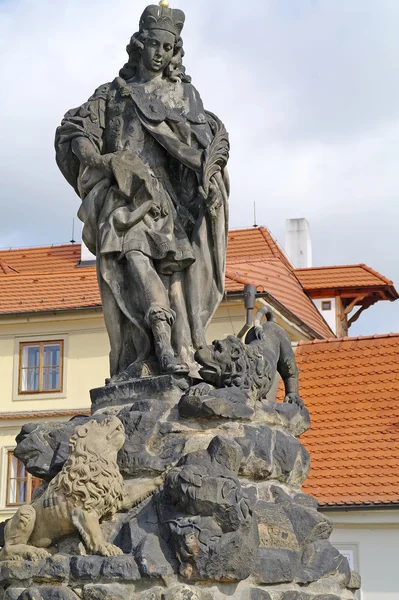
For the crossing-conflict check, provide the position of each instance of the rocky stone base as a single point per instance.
(229, 521)
(119, 589)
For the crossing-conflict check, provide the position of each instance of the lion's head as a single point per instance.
(91, 476)
(231, 363)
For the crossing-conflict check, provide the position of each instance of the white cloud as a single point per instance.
(308, 90)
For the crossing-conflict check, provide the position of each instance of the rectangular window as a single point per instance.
(326, 305)
(20, 483)
(40, 367)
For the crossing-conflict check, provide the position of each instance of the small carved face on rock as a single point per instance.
(158, 50)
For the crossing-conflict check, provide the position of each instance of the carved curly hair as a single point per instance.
(174, 71)
(247, 369)
(90, 480)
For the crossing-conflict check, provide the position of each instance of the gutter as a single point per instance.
(53, 311)
(358, 507)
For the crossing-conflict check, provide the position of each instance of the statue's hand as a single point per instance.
(294, 398)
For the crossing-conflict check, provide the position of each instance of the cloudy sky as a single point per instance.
(308, 89)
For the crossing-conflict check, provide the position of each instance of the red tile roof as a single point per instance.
(342, 277)
(272, 276)
(60, 290)
(256, 243)
(351, 387)
(47, 278)
(43, 259)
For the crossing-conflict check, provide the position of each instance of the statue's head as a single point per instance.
(158, 44)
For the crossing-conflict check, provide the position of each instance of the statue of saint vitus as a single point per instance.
(149, 164)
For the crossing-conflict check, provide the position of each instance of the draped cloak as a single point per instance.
(157, 137)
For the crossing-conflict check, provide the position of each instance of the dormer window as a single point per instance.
(326, 305)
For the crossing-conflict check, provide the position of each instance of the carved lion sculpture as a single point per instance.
(237, 374)
(88, 489)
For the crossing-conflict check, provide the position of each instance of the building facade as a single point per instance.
(54, 349)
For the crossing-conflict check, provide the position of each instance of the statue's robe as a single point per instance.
(151, 204)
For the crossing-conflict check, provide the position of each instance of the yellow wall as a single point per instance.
(86, 354)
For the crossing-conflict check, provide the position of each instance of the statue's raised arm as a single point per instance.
(149, 164)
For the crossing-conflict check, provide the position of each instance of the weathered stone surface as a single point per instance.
(206, 517)
(293, 418)
(48, 592)
(355, 581)
(56, 568)
(258, 594)
(86, 567)
(139, 535)
(12, 593)
(147, 449)
(18, 570)
(181, 593)
(320, 559)
(292, 461)
(165, 388)
(309, 525)
(120, 567)
(295, 596)
(108, 591)
(43, 447)
(217, 404)
(275, 528)
(306, 500)
(257, 447)
(274, 565)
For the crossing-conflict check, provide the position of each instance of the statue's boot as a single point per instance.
(168, 362)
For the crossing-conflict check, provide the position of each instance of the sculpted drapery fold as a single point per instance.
(160, 209)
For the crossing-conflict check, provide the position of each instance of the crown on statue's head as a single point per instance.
(162, 17)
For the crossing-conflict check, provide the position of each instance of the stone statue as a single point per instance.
(206, 515)
(149, 164)
(88, 489)
(236, 374)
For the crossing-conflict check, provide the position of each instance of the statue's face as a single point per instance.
(158, 50)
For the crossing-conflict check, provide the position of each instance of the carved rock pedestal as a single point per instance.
(230, 520)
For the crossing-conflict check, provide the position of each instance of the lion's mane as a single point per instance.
(247, 369)
(93, 482)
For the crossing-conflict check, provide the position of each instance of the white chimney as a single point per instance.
(298, 243)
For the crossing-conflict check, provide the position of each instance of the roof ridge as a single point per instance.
(40, 247)
(253, 258)
(328, 267)
(375, 336)
(30, 274)
(350, 266)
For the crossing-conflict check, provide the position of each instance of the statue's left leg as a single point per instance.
(155, 305)
(88, 525)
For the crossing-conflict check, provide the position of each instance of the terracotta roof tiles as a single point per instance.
(274, 277)
(340, 277)
(351, 388)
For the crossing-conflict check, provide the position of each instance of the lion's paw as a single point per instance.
(108, 549)
(36, 554)
(294, 399)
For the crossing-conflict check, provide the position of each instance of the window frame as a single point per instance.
(324, 304)
(41, 344)
(29, 479)
(48, 395)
